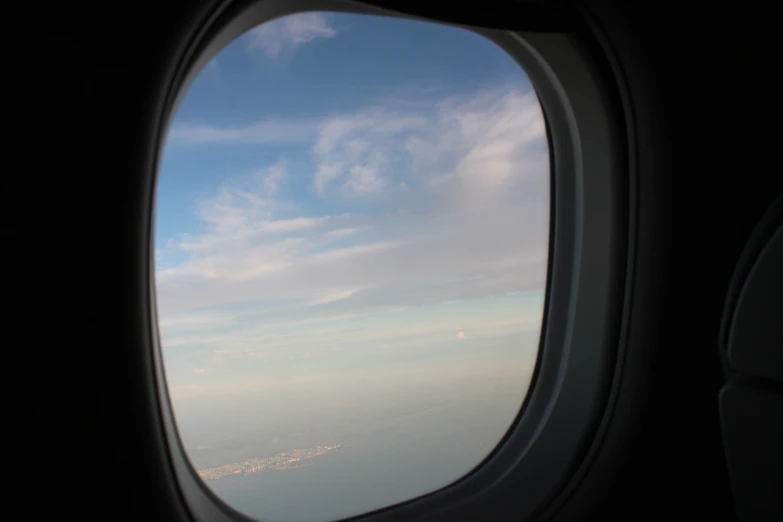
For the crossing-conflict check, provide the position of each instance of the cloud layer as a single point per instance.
(469, 187)
(396, 209)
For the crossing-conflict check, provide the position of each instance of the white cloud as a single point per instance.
(332, 296)
(284, 226)
(473, 222)
(480, 142)
(284, 34)
(271, 131)
(344, 254)
(358, 150)
(326, 173)
(365, 179)
(272, 178)
(340, 233)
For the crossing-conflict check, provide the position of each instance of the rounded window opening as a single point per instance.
(351, 247)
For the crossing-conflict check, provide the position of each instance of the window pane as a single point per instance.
(352, 222)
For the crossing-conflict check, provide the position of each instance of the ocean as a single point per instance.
(391, 461)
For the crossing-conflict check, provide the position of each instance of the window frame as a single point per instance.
(585, 280)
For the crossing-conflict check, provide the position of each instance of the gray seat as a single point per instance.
(751, 401)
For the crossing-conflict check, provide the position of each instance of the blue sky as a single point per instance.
(343, 196)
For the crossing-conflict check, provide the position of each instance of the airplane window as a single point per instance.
(351, 247)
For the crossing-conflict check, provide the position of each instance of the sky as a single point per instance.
(353, 209)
